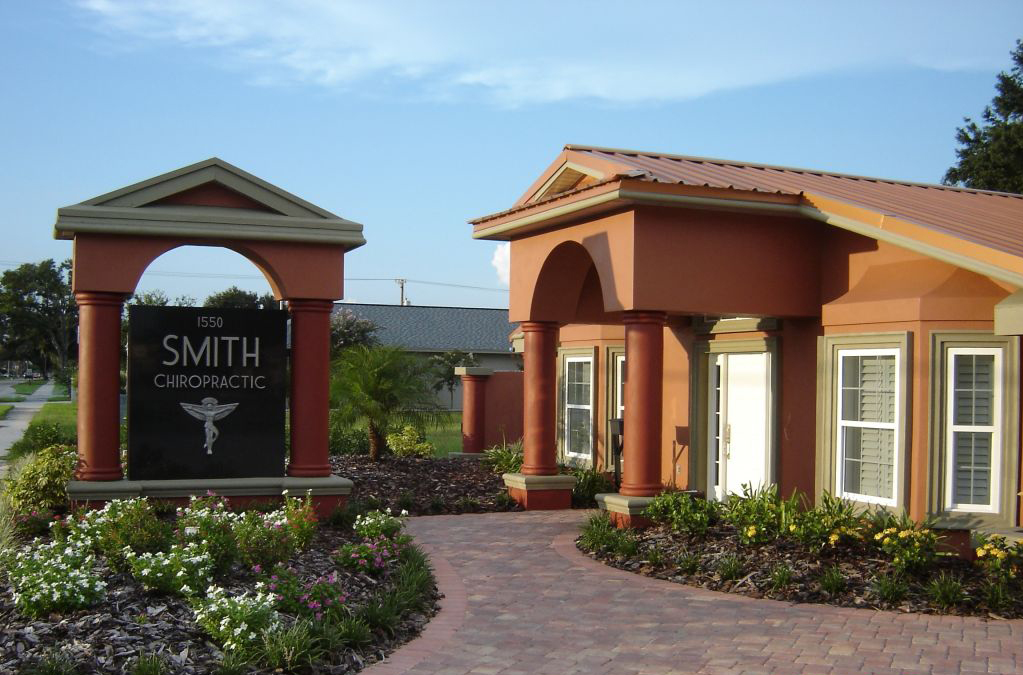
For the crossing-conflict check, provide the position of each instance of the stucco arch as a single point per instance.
(570, 288)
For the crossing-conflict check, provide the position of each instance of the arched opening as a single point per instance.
(569, 289)
(188, 275)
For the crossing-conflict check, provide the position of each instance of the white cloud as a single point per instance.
(532, 52)
(502, 262)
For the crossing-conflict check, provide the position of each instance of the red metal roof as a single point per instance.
(991, 219)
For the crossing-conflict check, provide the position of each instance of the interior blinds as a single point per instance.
(868, 402)
(973, 402)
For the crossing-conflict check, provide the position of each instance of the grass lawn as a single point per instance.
(448, 437)
(4, 409)
(60, 393)
(64, 414)
(11, 399)
(26, 388)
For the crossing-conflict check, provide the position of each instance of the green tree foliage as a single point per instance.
(348, 330)
(38, 314)
(444, 370)
(991, 154)
(235, 297)
(382, 387)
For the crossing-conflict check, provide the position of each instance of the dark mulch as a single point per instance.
(109, 637)
(424, 486)
(660, 550)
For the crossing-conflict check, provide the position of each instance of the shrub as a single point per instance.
(730, 567)
(354, 631)
(682, 512)
(890, 588)
(316, 599)
(52, 663)
(599, 533)
(688, 563)
(264, 539)
(53, 577)
(344, 439)
(832, 522)
(33, 524)
(40, 435)
(131, 524)
(149, 664)
(301, 519)
(382, 612)
(504, 458)
(588, 484)
(291, 648)
(781, 577)
(759, 515)
(371, 556)
(409, 443)
(236, 623)
(996, 594)
(945, 591)
(911, 550)
(832, 580)
(999, 560)
(377, 524)
(40, 483)
(184, 570)
(207, 521)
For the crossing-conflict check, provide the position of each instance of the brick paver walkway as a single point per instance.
(521, 600)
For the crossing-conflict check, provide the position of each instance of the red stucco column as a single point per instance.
(310, 383)
(644, 354)
(99, 385)
(474, 398)
(539, 414)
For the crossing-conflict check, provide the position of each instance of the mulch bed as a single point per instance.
(109, 637)
(660, 549)
(424, 486)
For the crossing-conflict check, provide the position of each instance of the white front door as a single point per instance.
(739, 445)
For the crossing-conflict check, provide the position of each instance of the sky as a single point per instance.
(414, 117)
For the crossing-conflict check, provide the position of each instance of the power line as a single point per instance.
(215, 275)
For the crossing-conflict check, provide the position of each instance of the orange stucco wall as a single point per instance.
(503, 408)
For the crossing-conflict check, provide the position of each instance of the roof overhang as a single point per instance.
(148, 209)
(623, 193)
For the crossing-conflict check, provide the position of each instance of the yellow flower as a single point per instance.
(833, 538)
(904, 534)
(887, 540)
(751, 530)
(1000, 555)
(981, 552)
(792, 528)
(877, 537)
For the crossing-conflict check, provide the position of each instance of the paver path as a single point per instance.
(521, 600)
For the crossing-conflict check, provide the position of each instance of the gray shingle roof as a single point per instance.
(437, 329)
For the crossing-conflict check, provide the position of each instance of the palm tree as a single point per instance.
(381, 386)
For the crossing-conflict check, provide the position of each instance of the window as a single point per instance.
(868, 404)
(579, 406)
(619, 403)
(973, 409)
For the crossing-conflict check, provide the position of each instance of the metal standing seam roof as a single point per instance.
(992, 219)
(437, 329)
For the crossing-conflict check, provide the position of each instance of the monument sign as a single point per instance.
(206, 393)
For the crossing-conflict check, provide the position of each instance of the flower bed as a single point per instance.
(138, 587)
(766, 547)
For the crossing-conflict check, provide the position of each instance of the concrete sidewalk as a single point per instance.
(13, 426)
(520, 599)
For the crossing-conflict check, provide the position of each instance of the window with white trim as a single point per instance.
(579, 406)
(973, 428)
(867, 425)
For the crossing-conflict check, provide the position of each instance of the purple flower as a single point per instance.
(257, 568)
(362, 562)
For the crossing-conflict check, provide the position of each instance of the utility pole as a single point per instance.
(401, 283)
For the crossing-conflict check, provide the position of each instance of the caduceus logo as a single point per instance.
(208, 411)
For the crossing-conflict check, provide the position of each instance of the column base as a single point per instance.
(625, 511)
(540, 493)
(328, 492)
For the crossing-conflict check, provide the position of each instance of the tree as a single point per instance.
(444, 370)
(991, 153)
(382, 387)
(348, 330)
(235, 297)
(38, 314)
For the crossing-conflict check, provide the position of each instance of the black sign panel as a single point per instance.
(206, 393)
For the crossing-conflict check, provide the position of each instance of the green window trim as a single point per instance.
(1004, 464)
(699, 406)
(566, 355)
(830, 349)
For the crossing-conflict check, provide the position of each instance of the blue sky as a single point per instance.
(413, 117)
